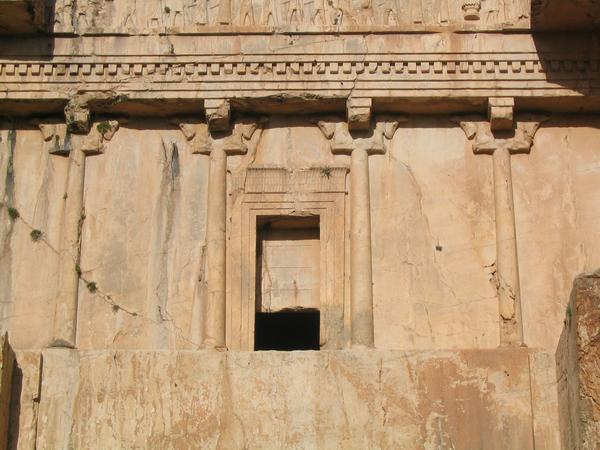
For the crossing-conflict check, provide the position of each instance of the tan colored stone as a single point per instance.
(359, 113)
(500, 113)
(544, 400)
(347, 399)
(26, 400)
(218, 114)
(490, 138)
(244, 16)
(431, 254)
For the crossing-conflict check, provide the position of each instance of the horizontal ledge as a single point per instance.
(303, 103)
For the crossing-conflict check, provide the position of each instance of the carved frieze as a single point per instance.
(198, 16)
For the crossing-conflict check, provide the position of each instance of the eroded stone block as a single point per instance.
(578, 366)
(272, 400)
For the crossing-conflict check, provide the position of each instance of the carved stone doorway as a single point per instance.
(309, 197)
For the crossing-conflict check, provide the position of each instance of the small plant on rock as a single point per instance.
(326, 171)
(36, 235)
(13, 213)
(92, 287)
(103, 127)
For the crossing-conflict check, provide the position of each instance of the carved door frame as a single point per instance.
(241, 258)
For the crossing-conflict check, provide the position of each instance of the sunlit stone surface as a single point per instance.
(420, 176)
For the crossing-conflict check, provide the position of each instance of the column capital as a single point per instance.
(100, 132)
(374, 140)
(202, 140)
(59, 140)
(487, 140)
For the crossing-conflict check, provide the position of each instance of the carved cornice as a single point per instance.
(202, 67)
(227, 77)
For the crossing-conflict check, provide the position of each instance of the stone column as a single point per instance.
(77, 140)
(361, 281)
(65, 314)
(214, 325)
(359, 145)
(507, 264)
(212, 140)
(497, 137)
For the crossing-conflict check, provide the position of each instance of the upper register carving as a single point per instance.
(133, 16)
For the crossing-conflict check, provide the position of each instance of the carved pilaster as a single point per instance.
(59, 140)
(359, 146)
(217, 146)
(501, 144)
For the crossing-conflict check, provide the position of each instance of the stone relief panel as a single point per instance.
(150, 16)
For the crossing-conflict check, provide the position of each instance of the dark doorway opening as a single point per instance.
(287, 330)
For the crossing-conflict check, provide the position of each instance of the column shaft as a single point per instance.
(509, 295)
(360, 248)
(215, 310)
(65, 315)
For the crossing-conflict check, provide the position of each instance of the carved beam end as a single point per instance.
(500, 113)
(218, 114)
(77, 117)
(359, 113)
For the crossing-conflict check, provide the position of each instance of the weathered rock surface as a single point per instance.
(432, 219)
(25, 400)
(273, 400)
(578, 363)
(151, 148)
